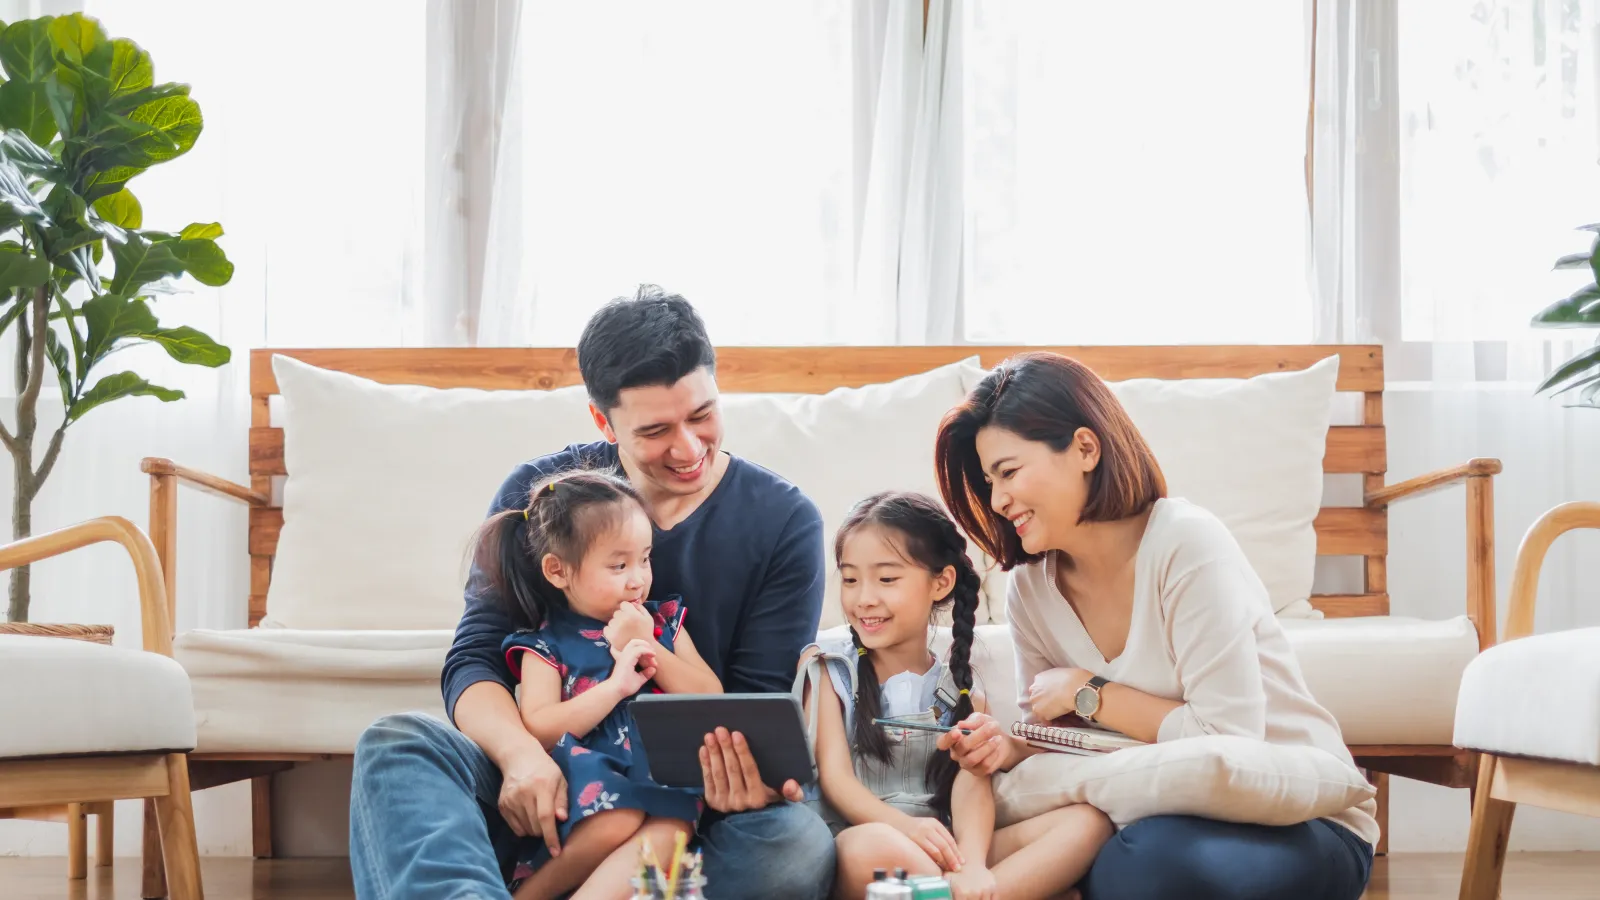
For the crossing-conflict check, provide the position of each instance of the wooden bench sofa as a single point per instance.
(1348, 531)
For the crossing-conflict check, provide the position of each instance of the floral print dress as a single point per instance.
(604, 768)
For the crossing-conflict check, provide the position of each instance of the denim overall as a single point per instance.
(901, 782)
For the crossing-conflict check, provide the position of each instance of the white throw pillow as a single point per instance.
(1224, 777)
(1250, 451)
(848, 444)
(387, 484)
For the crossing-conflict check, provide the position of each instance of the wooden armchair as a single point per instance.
(1531, 706)
(140, 741)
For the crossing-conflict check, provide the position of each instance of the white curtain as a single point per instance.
(1135, 172)
(790, 168)
(1454, 150)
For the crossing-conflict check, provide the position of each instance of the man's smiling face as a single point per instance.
(668, 436)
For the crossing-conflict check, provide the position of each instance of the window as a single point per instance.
(1498, 152)
(706, 147)
(1135, 172)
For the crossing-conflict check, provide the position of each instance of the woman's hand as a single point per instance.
(983, 752)
(629, 623)
(1053, 693)
(934, 839)
(972, 883)
(636, 664)
(733, 783)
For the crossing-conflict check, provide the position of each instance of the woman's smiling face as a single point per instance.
(1040, 491)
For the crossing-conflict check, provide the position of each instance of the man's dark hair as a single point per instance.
(652, 338)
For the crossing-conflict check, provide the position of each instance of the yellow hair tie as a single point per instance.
(524, 515)
(965, 692)
(861, 651)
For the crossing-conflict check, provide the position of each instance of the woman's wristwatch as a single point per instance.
(1087, 699)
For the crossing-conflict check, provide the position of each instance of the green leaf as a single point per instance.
(11, 314)
(65, 312)
(130, 69)
(25, 50)
(1574, 311)
(61, 362)
(1585, 380)
(176, 117)
(198, 231)
(18, 269)
(25, 105)
(203, 259)
(189, 346)
(17, 203)
(112, 318)
(29, 158)
(1583, 362)
(139, 262)
(1572, 261)
(75, 34)
(126, 103)
(121, 209)
(115, 387)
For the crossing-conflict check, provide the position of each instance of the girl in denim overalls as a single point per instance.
(892, 798)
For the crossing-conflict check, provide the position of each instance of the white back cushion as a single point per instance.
(386, 485)
(848, 444)
(388, 482)
(1250, 451)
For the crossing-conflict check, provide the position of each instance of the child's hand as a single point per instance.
(972, 883)
(934, 839)
(983, 752)
(636, 664)
(629, 623)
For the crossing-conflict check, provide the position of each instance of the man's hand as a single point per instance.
(984, 751)
(629, 623)
(733, 783)
(533, 795)
(1053, 693)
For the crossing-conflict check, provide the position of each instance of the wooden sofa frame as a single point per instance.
(1341, 531)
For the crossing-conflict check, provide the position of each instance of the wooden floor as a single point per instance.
(1405, 876)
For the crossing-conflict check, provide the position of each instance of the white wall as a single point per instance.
(1544, 448)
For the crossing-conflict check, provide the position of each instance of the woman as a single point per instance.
(1142, 614)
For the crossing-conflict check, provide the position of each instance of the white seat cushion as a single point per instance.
(65, 696)
(290, 691)
(1386, 679)
(1536, 696)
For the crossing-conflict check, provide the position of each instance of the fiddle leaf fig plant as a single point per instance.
(1581, 309)
(81, 117)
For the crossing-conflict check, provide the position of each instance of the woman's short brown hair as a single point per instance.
(1043, 397)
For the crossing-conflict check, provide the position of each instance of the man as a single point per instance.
(436, 812)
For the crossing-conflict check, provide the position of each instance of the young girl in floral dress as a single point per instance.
(573, 570)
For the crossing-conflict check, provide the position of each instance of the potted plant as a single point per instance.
(1581, 309)
(80, 118)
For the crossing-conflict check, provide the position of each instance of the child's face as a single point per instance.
(887, 599)
(616, 570)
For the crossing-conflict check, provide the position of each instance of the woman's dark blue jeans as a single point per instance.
(1190, 858)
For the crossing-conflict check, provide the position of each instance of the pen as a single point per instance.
(917, 726)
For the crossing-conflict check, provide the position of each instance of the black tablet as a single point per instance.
(673, 727)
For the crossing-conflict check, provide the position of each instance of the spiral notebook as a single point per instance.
(1078, 739)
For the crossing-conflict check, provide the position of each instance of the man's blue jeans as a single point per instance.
(425, 825)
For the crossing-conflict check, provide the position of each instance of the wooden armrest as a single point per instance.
(1381, 497)
(211, 484)
(155, 622)
(1530, 559)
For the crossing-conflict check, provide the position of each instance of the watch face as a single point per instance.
(1088, 701)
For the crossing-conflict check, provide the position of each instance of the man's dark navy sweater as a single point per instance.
(748, 563)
